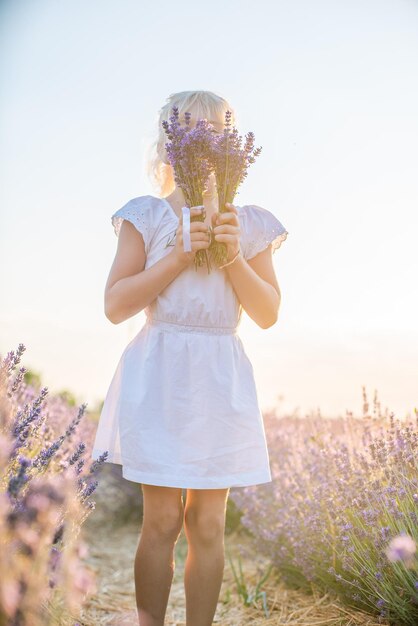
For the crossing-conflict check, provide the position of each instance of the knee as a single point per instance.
(165, 524)
(204, 527)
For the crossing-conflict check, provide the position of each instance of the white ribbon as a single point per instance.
(187, 244)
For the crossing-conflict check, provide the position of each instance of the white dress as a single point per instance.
(182, 407)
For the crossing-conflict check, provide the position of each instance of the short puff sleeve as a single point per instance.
(138, 213)
(261, 228)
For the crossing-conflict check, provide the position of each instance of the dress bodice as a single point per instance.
(195, 296)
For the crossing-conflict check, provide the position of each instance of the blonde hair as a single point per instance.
(201, 104)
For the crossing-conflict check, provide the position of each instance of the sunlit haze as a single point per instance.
(330, 91)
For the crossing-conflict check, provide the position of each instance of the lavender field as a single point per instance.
(46, 488)
(342, 510)
(332, 540)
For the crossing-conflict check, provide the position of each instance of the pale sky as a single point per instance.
(330, 90)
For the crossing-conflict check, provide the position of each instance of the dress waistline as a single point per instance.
(178, 327)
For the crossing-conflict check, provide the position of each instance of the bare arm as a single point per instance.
(130, 287)
(254, 281)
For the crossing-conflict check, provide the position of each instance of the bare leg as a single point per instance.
(204, 528)
(154, 559)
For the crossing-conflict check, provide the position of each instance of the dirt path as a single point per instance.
(112, 551)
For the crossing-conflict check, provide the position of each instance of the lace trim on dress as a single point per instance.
(275, 236)
(277, 242)
(138, 216)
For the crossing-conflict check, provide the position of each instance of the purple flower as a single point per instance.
(80, 449)
(231, 160)
(87, 491)
(98, 462)
(401, 548)
(20, 479)
(189, 152)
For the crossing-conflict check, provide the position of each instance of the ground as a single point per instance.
(112, 551)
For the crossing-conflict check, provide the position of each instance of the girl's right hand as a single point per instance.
(199, 237)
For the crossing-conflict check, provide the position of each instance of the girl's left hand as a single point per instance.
(226, 229)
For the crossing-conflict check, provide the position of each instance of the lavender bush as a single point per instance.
(45, 491)
(341, 511)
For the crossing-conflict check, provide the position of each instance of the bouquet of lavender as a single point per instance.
(189, 153)
(230, 162)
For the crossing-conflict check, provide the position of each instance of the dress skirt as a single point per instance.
(182, 410)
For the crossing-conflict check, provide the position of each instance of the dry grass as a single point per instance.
(112, 551)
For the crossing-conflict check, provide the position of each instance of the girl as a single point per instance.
(182, 410)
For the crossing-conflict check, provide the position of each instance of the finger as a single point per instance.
(226, 238)
(228, 216)
(197, 215)
(199, 226)
(194, 210)
(218, 217)
(198, 244)
(227, 229)
(199, 236)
